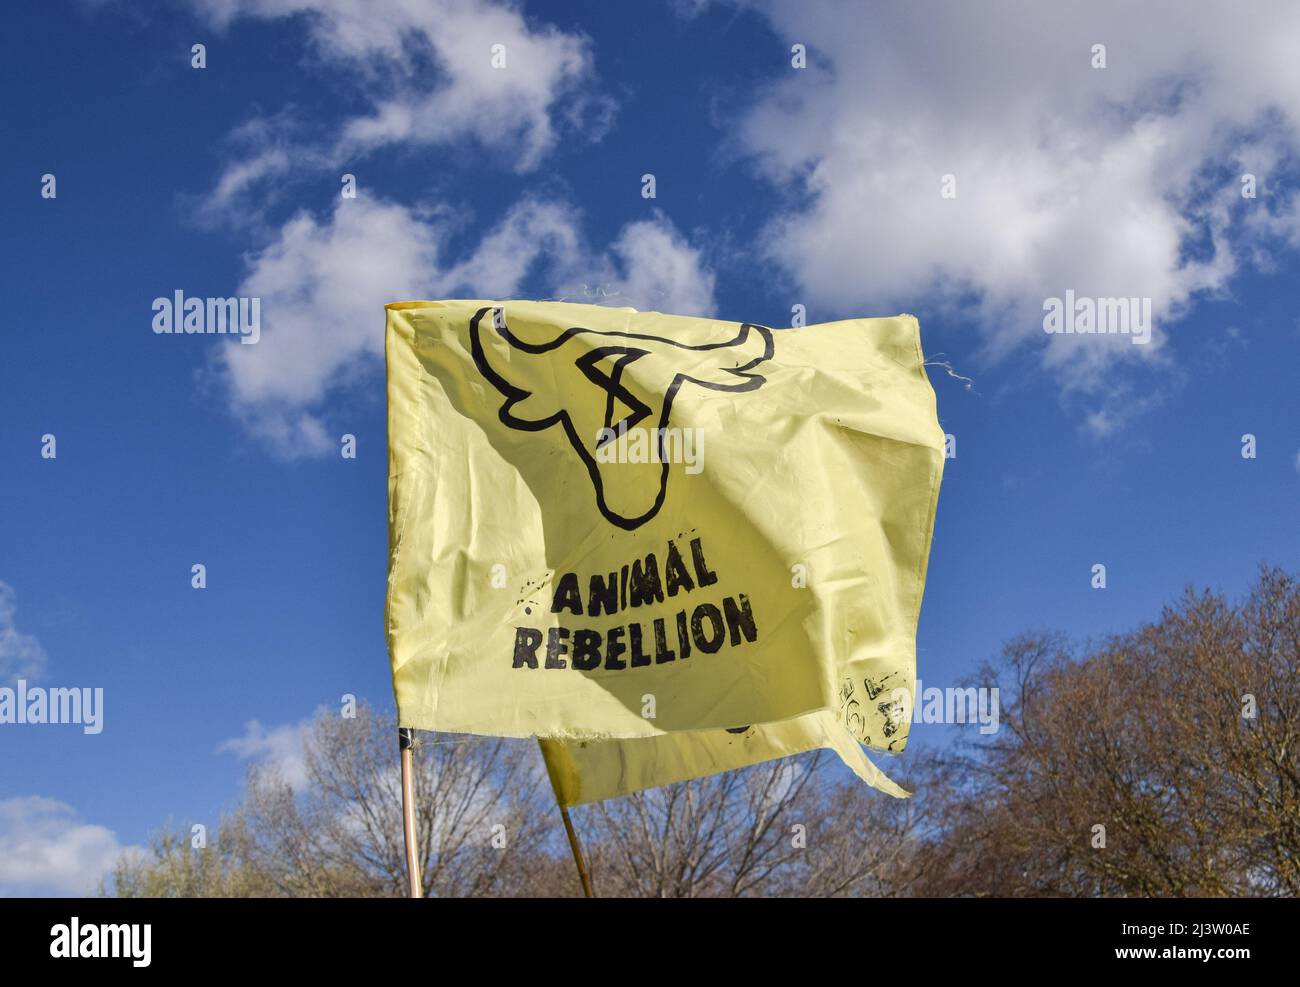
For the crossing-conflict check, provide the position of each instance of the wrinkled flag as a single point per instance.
(666, 546)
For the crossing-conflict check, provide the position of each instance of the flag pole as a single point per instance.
(583, 876)
(572, 834)
(406, 744)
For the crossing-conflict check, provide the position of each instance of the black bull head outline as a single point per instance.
(659, 358)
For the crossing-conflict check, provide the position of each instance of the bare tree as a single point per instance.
(1164, 762)
(486, 826)
(781, 828)
(868, 845)
(719, 835)
(174, 868)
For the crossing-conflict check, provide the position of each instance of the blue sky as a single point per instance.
(775, 186)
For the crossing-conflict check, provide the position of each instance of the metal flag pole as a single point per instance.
(572, 833)
(406, 744)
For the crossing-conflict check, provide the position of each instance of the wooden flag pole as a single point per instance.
(406, 744)
(583, 876)
(572, 834)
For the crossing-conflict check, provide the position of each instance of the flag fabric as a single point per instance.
(584, 771)
(622, 526)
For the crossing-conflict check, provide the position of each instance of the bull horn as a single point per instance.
(731, 363)
(522, 408)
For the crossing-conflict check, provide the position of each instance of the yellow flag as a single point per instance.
(608, 525)
(591, 770)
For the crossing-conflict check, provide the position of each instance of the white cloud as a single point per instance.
(45, 848)
(21, 655)
(322, 288)
(659, 268)
(425, 70)
(278, 749)
(1067, 176)
(224, 202)
(323, 285)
